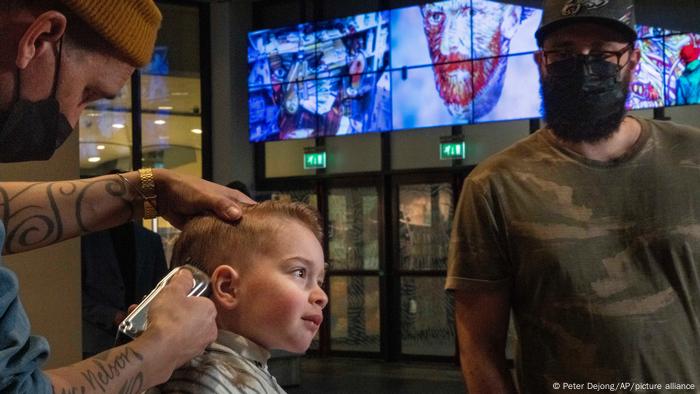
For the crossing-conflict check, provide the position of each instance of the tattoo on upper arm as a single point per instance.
(31, 225)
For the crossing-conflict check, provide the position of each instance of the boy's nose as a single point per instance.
(319, 297)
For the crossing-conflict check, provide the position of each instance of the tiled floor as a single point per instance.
(346, 375)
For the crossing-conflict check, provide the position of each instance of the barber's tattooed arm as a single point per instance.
(128, 369)
(43, 213)
(151, 358)
(40, 214)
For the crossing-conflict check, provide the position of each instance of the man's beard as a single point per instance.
(470, 89)
(577, 116)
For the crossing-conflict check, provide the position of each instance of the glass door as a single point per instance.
(353, 255)
(423, 222)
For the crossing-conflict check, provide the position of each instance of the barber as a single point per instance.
(56, 56)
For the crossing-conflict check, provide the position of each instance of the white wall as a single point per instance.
(49, 278)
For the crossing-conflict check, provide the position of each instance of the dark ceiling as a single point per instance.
(681, 15)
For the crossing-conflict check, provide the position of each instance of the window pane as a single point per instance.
(355, 313)
(425, 217)
(353, 229)
(171, 123)
(171, 95)
(106, 135)
(427, 317)
(171, 102)
(305, 196)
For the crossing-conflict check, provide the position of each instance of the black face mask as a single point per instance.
(584, 98)
(33, 130)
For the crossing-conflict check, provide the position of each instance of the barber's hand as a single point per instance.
(119, 318)
(182, 326)
(182, 196)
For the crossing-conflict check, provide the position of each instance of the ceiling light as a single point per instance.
(119, 125)
(196, 131)
(159, 122)
(100, 147)
(165, 108)
(94, 159)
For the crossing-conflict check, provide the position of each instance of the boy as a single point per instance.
(266, 274)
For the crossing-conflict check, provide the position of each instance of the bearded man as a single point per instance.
(587, 229)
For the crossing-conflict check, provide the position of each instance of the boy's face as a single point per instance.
(279, 297)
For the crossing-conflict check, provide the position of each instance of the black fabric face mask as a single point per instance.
(584, 99)
(33, 130)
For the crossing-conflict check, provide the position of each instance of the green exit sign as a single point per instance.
(314, 160)
(452, 150)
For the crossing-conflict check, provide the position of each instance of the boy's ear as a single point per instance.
(224, 282)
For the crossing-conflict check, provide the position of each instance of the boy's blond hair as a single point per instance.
(207, 241)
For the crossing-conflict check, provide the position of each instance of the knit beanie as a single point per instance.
(129, 25)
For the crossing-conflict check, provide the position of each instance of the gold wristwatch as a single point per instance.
(148, 187)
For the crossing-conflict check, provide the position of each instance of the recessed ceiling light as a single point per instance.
(119, 125)
(94, 159)
(159, 122)
(196, 131)
(165, 108)
(100, 147)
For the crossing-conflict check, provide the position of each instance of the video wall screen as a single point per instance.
(438, 64)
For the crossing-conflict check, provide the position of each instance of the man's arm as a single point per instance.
(179, 329)
(482, 328)
(43, 213)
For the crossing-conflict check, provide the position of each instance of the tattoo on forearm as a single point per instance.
(30, 225)
(133, 386)
(106, 371)
(106, 368)
(112, 187)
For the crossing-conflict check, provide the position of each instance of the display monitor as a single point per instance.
(438, 64)
(647, 87)
(281, 55)
(682, 69)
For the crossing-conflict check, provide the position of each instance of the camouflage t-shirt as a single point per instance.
(603, 259)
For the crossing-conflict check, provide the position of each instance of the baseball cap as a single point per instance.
(616, 14)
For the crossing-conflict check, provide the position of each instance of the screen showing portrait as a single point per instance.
(682, 72)
(437, 64)
(646, 90)
(281, 55)
(353, 45)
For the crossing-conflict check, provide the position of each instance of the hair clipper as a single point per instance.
(136, 322)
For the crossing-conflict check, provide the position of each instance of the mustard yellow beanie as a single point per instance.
(130, 25)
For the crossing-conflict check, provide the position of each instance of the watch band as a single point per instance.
(148, 188)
